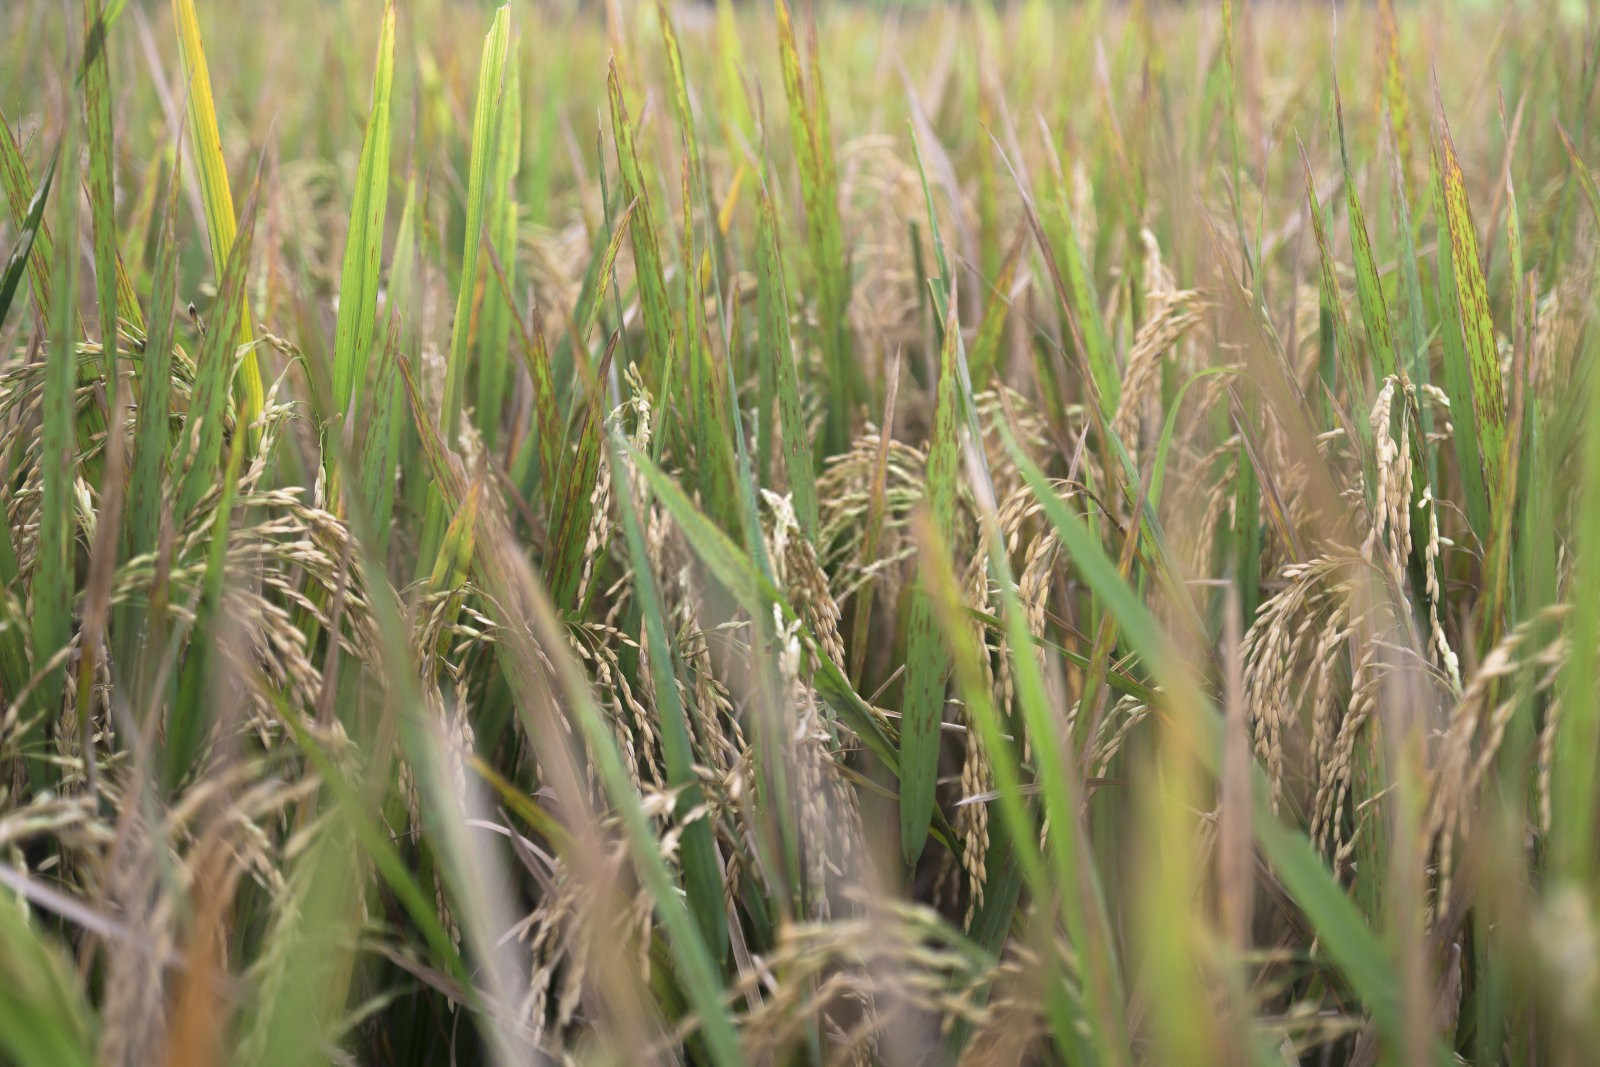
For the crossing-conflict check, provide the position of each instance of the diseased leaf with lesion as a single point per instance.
(1476, 319)
(927, 655)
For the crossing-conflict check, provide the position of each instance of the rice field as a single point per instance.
(792, 533)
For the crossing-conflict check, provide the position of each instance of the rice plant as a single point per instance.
(799, 533)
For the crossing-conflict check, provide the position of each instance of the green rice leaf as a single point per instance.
(1369, 289)
(191, 720)
(28, 231)
(22, 195)
(1345, 935)
(571, 491)
(702, 870)
(694, 963)
(1416, 361)
(646, 250)
(755, 592)
(813, 148)
(499, 304)
(54, 568)
(215, 192)
(1332, 302)
(1083, 305)
(937, 576)
(45, 1018)
(547, 427)
(778, 347)
(996, 312)
(574, 503)
(381, 441)
(1577, 754)
(214, 370)
(507, 586)
(485, 127)
(363, 250)
(376, 843)
(102, 194)
(147, 487)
